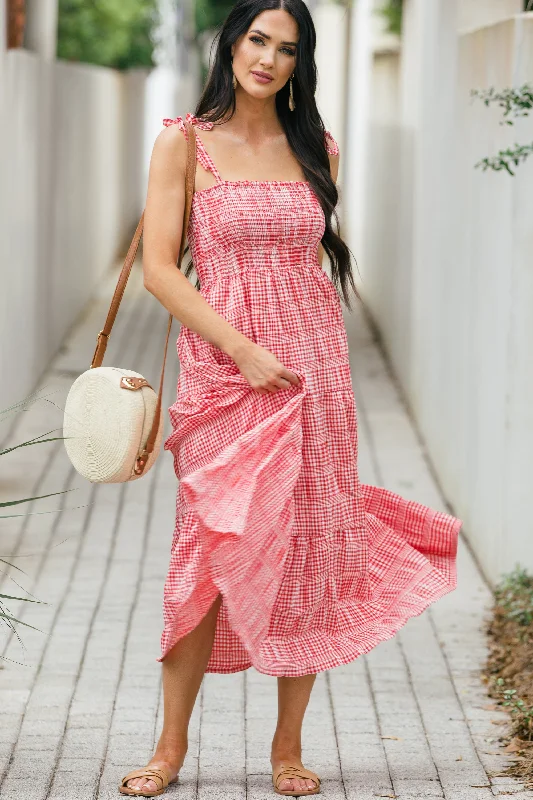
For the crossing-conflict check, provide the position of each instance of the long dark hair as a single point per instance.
(303, 127)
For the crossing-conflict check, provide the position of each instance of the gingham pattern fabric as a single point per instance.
(314, 567)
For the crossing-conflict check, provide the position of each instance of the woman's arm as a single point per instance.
(334, 166)
(163, 222)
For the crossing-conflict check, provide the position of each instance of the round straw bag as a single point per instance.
(113, 420)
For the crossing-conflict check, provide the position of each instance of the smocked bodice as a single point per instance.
(239, 226)
(236, 226)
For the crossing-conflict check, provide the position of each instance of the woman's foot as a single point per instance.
(293, 697)
(290, 757)
(169, 760)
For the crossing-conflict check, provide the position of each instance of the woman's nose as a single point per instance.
(267, 59)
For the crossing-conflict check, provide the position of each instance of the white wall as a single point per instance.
(72, 168)
(75, 146)
(40, 32)
(496, 248)
(354, 162)
(475, 14)
(331, 22)
(381, 211)
(97, 157)
(446, 271)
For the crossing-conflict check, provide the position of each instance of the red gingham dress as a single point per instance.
(314, 567)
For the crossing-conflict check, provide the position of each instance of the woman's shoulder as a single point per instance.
(331, 145)
(171, 141)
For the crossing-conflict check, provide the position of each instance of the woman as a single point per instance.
(280, 559)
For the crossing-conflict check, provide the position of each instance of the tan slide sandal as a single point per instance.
(155, 774)
(287, 773)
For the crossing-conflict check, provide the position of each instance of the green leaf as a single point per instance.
(114, 33)
(36, 440)
(30, 499)
(20, 405)
(19, 621)
(3, 561)
(26, 599)
(392, 11)
(37, 513)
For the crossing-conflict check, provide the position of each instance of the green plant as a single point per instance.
(5, 614)
(516, 103)
(521, 711)
(514, 594)
(509, 668)
(210, 14)
(111, 33)
(392, 10)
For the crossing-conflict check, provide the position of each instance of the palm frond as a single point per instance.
(30, 499)
(36, 440)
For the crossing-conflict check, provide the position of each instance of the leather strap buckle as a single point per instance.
(140, 462)
(133, 383)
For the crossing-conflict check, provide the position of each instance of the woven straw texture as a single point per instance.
(107, 426)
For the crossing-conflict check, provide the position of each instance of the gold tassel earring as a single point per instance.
(234, 81)
(292, 105)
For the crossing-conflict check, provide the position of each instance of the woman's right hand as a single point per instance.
(263, 371)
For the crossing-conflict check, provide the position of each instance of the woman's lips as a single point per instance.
(261, 78)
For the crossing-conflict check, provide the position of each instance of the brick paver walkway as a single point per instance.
(80, 704)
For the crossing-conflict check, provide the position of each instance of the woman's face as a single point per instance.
(268, 47)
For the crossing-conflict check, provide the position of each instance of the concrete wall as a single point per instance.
(97, 180)
(331, 23)
(495, 247)
(445, 265)
(75, 147)
(380, 202)
(73, 174)
(475, 14)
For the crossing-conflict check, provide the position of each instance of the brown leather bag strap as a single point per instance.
(103, 336)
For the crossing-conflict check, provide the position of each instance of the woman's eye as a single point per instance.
(287, 50)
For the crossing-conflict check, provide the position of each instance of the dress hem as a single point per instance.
(384, 635)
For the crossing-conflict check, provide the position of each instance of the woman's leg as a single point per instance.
(293, 697)
(183, 669)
